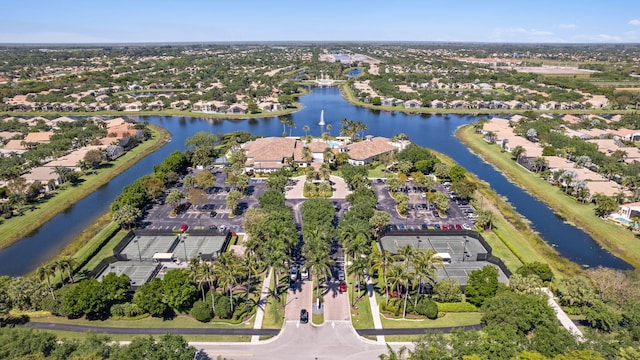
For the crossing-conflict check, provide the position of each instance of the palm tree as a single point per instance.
(357, 267)
(329, 127)
(307, 155)
(380, 261)
(45, 272)
(253, 264)
(324, 171)
(306, 129)
(393, 355)
(319, 264)
(517, 152)
(229, 270)
(407, 254)
(276, 255)
(424, 264)
(68, 263)
(195, 272)
(328, 155)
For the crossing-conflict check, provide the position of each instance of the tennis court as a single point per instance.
(138, 272)
(143, 247)
(200, 246)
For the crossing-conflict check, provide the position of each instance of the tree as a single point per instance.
(517, 152)
(197, 196)
(68, 263)
(441, 202)
(168, 346)
(179, 290)
(447, 290)
(233, 199)
(205, 179)
(424, 265)
(441, 171)
(392, 354)
(379, 262)
(577, 291)
(540, 163)
(94, 157)
(379, 222)
(525, 285)
(149, 298)
(174, 197)
(44, 273)
(485, 219)
(482, 284)
(605, 205)
(126, 216)
(541, 270)
(228, 272)
(306, 129)
(457, 173)
(602, 317)
(189, 182)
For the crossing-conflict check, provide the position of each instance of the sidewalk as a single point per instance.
(262, 304)
(562, 316)
(375, 310)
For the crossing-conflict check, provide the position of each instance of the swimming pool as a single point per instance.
(334, 144)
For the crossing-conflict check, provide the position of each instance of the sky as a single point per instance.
(139, 21)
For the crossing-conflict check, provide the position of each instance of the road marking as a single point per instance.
(233, 355)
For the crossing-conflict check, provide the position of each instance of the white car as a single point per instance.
(340, 274)
(294, 274)
(304, 274)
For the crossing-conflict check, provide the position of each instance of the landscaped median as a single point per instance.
(17, 227)
(616, 239)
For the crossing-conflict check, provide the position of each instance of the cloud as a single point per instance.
(519, 34)
(50, 38)
(569, 26)
(635, 22)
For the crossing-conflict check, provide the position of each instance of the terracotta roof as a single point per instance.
(272, 149)
(40, 137)
(15, 145)
(317, 146)
(369, 148)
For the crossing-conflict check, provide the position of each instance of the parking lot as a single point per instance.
(213, 213)
(422, 215)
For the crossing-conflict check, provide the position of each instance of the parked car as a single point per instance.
(401, 227)
(213, 214)
(467, 226)
(184, 227)
(293, 276)
(437, 226)
(304, 316)
(304, 274)
(458, 227)
(435, 213)
(341, 275)
(343, 286)
(424, 227)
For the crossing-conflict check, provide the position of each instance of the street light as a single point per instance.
(419, 241)
(139, 254)
(464, 251)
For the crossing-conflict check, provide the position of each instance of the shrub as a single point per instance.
(117, 310)
(223, 308)
(428, 308)
(457, 307)
(242, 310)
(201, 311)
(132, 310)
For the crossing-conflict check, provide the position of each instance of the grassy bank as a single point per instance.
(616, 239)
(35, 216)
(512, 239)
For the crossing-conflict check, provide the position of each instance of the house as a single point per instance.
(237, 109)
(437, 104)
(459, 104)
(134, 106)
(155, 105)
(269, 154)
(363, 152)
(630, 210)
(412, 104)
(317, 150)
(387, 102)
(114, 151)
(38, 137)
(42, 174)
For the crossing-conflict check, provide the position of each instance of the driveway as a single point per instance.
(298, 297)
(330, 341)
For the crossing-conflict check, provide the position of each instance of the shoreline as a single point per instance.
(14, 231)
(615, 239)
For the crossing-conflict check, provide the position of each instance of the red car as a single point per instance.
(184, 227)
(458, 227)
(343, 286)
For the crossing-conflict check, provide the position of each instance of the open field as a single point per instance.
(19, 226)
(448, 320)
(616, 239)
(128, 337)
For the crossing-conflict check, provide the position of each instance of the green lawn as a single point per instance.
(274, 311)
(35, 216)
(180, 321)
(361, 317)
(377, 172)
(616, 239)
(449, 319)
(128, 337)
(105, 251)
(317, 319)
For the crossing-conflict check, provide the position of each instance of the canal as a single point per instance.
(433, 131)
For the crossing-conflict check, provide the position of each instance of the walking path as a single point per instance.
(375, 310)
(562, 316)
(262, 305)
